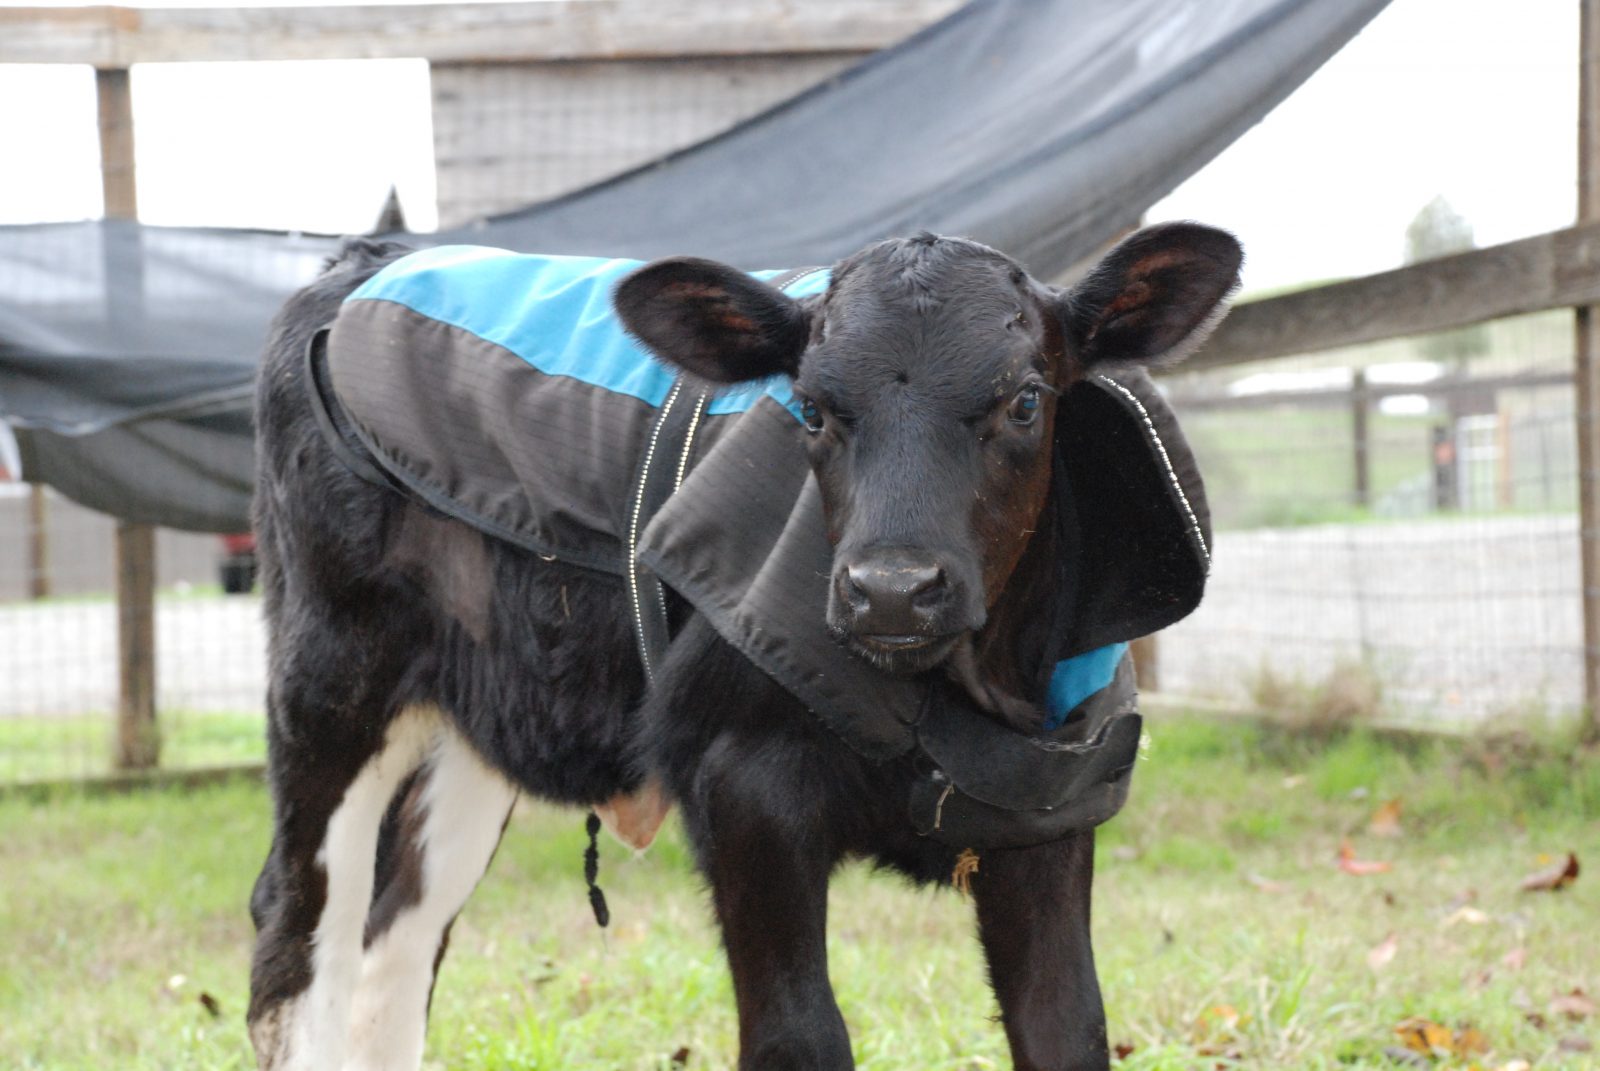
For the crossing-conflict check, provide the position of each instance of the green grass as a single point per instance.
(1281, 466)
(104, 900)
(52, 748)
(184, 591)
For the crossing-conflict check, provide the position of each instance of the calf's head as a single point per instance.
(926, 381)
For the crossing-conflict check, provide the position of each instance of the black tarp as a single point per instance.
(1042, 127)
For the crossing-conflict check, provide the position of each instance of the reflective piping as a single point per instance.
(688, 440)
(1161, 448)
(633, 528)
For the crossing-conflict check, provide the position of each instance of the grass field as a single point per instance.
(55, 748)
(1227, 936)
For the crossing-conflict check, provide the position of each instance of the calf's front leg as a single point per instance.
(1033, 920)
(763, 844)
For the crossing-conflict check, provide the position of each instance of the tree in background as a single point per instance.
(1438, 230)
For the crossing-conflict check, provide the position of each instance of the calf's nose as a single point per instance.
(894, 595)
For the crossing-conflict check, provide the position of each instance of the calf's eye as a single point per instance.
(811, 415)
(1025, 406)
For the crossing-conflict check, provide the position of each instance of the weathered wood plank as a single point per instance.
(1549, 271)
(138, 744)
(112, 37)
(1586, 361)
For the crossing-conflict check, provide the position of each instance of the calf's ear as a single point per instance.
(713, 321)
(1154, 298)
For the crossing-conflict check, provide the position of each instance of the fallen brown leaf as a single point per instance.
(1425, 1036)
(681, 1057)
(1575, 1005)
(1351, 865)
(1385, 820)
(1575, 1043)
(1432, 1039)
(1214, 1028)
(1380, 955)
(1514, 960)
(209, 1003)
(1558, 876)
(1469, 1041)
(1122, 1050)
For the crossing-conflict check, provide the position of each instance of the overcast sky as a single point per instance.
(1475, 100)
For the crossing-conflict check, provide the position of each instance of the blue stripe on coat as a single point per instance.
(555, 313)
(1078, 678)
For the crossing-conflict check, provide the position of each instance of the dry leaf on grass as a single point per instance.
(1424, 1035)
(1469, 1041)
(1574, 1005)
(1430, 1038)
(1380, 955)
(1386, 820)
(1122, 1050)
(1215, 1031)
(1558, 876)
(1575, 1043)
(1351, 865)
(1514, 960)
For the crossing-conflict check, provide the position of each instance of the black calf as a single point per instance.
(423, 672)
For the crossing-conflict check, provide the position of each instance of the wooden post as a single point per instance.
(1360, 404)
(1586, 381)
(116, 144)
(1147, 663)
(138, 737)
(38, 543)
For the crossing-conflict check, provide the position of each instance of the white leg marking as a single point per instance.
(465, 805)
(313, 1028)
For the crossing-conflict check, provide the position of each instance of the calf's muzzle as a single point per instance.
(898, 600)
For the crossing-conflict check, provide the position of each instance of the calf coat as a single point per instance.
(441, 639)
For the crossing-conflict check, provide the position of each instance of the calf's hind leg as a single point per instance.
(444, 830)
(311, 900)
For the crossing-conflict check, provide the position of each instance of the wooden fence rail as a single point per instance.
(1550, 271)
(118, 37)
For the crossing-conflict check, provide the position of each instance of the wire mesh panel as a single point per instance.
(59, 653)
(1399, 518)
(506, 136)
